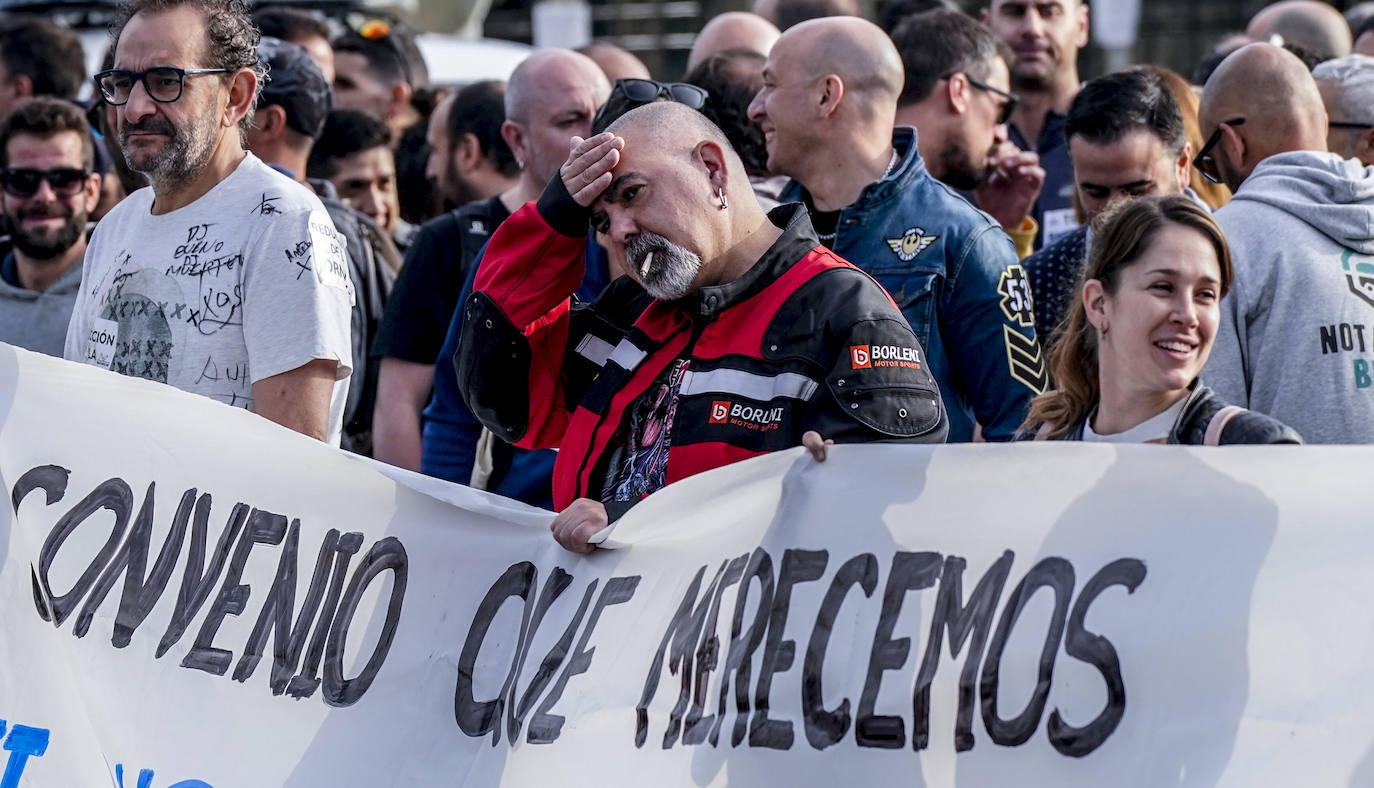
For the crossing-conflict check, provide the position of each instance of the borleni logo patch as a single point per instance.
(748, 416)
(858, 356)
(720, 412)
(869, 356)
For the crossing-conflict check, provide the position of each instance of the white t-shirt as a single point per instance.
(247, 282)
(1155, 429)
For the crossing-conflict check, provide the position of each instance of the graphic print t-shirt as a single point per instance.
(641, 463)
(249, 281)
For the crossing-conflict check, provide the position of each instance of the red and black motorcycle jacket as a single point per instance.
(802, 341)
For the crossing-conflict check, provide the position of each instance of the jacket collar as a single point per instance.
(1197, 393)
(910, 167)
(797, 239)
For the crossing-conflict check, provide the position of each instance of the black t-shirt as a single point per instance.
(421, 306)
(824, 222)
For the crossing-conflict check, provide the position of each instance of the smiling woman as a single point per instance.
(1127, 362)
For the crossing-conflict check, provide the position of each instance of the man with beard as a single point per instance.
(468, 159)
(551, 96)
(827, 109)
(46, 160)
(956, 95)
(225, 278)
(1045, 36)
(734, 334)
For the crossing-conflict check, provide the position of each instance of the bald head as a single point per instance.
(1315, 26)
(551, 71)
(855, 50)
(733, 30)
(672, 128)
(551, 97)
(615, 62)
(1276, 95)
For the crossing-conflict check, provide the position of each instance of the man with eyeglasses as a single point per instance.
(1126, 140)
(1296, 336)
(957, 96)
(225, 278)
(49, 190)
(827, 110)
(1347, 89)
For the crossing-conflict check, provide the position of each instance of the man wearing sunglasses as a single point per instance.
(957, 96)
(1296, 337)
(46, 158)
(226, 278)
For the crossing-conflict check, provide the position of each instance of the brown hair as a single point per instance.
(1120, 237)
(1214, 194)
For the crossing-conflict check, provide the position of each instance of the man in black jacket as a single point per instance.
(735, 334)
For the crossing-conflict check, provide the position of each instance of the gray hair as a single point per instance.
(1354, 74)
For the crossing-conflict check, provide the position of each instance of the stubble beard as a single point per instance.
(672, 271)
(958, 170)
(180, 160)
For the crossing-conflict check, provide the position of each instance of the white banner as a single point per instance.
(191, 596)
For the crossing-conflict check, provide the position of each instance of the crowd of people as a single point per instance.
(583, 283)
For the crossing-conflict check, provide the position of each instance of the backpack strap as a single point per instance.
(1218, 423)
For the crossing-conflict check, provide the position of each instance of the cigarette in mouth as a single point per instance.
(648, 261)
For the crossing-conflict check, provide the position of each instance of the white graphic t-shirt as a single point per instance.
(247, 282)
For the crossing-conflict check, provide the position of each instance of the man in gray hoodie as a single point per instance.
(1296, 339)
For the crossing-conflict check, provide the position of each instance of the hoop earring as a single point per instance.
(724, 203)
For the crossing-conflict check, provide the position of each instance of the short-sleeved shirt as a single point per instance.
(247, 282)
(426, 293)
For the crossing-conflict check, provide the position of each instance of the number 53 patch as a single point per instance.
(1017, 303)
(1024, 358)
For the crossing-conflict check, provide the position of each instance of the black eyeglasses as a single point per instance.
(1008, 106)
(163, 83)
(24, 183)
(1345, 124)
(1203, 161)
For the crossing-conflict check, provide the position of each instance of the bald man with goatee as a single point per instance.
(827, 110)
(1297, 330)
(733, 334)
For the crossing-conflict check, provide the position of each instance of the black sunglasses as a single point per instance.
(1008, 105)
(163, 83)
(23, 182)
(1203, 161)
(647, 90)
(630, 93)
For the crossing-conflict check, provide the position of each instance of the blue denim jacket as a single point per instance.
(954, 274)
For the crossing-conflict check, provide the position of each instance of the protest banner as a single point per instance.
(191, 596)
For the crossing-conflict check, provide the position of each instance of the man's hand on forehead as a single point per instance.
(587, 172)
